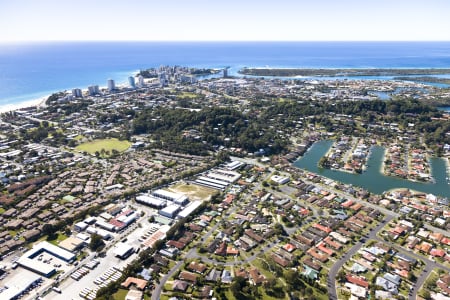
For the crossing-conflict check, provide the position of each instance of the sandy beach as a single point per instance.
(11, 107)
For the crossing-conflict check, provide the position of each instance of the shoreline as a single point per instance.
(39, 99)
(39, 103)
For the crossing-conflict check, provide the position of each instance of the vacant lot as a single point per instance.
(104, 147)
(193, 191)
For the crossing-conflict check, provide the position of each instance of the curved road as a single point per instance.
(192, 254)
(331, 281)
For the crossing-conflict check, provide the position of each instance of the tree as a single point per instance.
(96, 243)
(426, 295)
(340, 276)
(48, 229)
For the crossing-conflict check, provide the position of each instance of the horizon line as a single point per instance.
(220, 41)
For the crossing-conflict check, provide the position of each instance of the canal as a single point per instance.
(372, 179)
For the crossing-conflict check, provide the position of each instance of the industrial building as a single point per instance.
(123, 250)
(72, 244)
(189, 209)
(106, 225)
(18, 284)
(151, 201)
(27, 260)
(176, 198)
(101, 232)
(170, 211)
(80, 226)
(234, 165)
(224, 175)
(218, 178)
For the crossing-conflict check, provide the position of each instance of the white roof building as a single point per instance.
(170, 196)
(189, 209)
(122, 250)
(170, 211)
(18, 283)
(152, 201)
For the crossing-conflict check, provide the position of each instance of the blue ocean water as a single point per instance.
(30, 71)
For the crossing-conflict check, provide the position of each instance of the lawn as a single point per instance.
(106, 144)
(56, 239)
(188, 95)
(120, 295)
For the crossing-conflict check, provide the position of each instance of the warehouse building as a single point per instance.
(29, 262)
(176, 198)
(151, 201)
(189, 209)
(170, 211)
(123, 250)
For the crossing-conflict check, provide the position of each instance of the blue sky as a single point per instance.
(212, 20)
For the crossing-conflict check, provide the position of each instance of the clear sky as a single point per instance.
(235, 20)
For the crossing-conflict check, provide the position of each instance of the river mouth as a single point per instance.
(372, 179)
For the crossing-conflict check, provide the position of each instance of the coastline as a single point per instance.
(40, 102)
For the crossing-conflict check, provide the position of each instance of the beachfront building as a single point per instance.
(77, 93)
(93, 90)
(111, 85)
(141, 82)
(131, 82)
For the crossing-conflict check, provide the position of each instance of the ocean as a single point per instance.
(31, 71)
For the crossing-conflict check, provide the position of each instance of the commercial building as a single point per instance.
(176, 198)
(170, 211)
(105, 225)
(28, 262)
(217, 184)
(123, 250)
(101, 232)
(219, 178)
(234, 165)
(151, 201)
(72, 244)
(189, 209)
(18, 284)
(224, 175)
(128, 219)
(80, 226)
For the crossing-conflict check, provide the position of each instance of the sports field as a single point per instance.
(108, 145)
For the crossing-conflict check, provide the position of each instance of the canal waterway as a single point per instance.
(372, 179)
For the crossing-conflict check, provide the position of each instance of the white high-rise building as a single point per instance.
(111, 85)
(141, 82)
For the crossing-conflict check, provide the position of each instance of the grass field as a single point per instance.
(193, 191)
(106, 144)
(120, 294)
